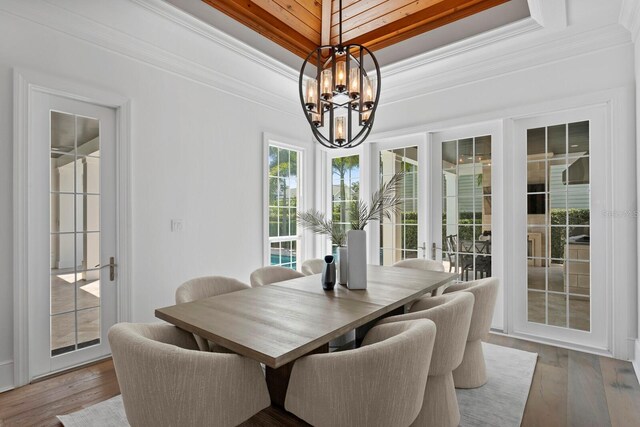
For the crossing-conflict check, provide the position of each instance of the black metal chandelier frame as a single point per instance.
(340, 95)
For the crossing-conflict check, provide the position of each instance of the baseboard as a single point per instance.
(6, 375)
(636, 359)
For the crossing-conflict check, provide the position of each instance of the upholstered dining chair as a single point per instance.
(420, 264)
(381, 383)
(164, 382)
(423, 264)
(272, 274)
(472, 372)
(312, 266)
(452, 316)
(205, 287)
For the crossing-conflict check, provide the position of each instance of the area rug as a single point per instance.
(499, 403)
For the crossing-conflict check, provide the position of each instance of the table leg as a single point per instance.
(362, 330)
(278, 378)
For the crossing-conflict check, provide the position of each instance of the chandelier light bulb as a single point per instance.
(312, 99)
(354, 83)
(327, 84)
(340, 137)
(341, 78)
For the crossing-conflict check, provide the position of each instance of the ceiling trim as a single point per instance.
(262, 21)
(630, 17)
(221, 38)
(512, 59)
(508, 31)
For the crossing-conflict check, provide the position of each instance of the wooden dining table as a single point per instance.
(279, 323)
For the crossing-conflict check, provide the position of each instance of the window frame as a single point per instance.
(270, 140)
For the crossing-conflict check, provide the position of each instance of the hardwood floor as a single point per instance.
(569, 388)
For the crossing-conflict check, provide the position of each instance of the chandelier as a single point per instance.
(338, 97)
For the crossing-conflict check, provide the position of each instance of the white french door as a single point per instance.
(72, 232)
(465, 199)
(403, 235)
(560, 234)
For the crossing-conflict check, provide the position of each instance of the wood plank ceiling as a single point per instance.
(302, 25)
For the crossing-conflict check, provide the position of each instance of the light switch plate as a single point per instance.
(177, 225)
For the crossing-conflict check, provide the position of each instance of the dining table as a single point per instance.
(278, 323)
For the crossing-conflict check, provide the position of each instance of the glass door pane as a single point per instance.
(466, 206)
(558, 226)
(399, 234)
(74, 232)
(345, 191)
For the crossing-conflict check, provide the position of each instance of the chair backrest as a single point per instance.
(205, 287)
(485, 292)
(312, 266)
(272, 274)
(452, 244)
(420, 264)
(208, 286)
(164, 382)
(452, 316)
(381, 383)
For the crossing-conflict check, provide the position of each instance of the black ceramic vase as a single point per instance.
(328, 273)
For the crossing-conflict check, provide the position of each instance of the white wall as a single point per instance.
(196, 151)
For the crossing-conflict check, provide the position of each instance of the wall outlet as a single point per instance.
(177, 225)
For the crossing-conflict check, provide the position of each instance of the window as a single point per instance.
(399, 235)
(466, 206)
(345, 189)
(284, 198)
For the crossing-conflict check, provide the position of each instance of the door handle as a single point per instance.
(112, 268)
(433, 250)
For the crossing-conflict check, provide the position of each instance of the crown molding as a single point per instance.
(184, 19)
(496, 60)
(630, 17)
(549, 13)
(463, 46)
(60, 19)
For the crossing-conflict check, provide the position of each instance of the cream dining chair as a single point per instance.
(420, 264)
(423, 264)
(452, 316)
(312, 266)
(164, 382)
(472, 372)
(205, 287)
(381, 383)
(272, 274)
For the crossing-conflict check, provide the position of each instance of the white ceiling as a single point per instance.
(513, 10)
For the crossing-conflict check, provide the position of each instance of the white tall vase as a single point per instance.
(343, 262)
(357, 259)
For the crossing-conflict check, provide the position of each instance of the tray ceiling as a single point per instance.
(288, 30)
(301, 25)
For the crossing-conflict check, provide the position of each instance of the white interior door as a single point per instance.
(72, 232)
(560, 250)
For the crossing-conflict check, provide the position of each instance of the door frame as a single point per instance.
(599, 338)
(26, 82)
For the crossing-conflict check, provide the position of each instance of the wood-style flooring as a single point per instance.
(569, 388)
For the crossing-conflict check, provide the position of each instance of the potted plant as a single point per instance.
(384, 203)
